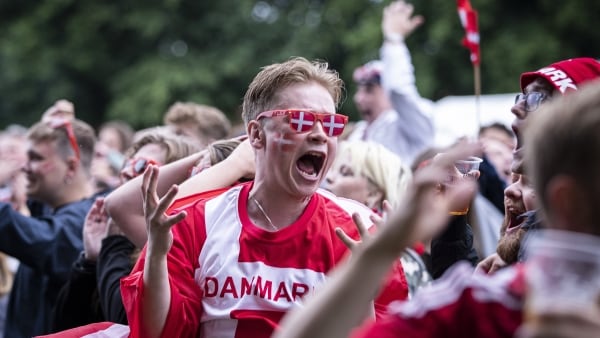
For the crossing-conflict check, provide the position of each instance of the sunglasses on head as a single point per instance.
(55, 123)
(302, 121)
(138, 165)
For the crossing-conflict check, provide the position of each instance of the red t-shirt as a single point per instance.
(230, 278)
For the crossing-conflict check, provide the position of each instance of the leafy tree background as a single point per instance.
(131, 59)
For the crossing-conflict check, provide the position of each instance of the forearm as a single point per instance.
(399, 72)
(124, 204)
(220, 175)
(414, 122)
(348, 293)
(157, 295)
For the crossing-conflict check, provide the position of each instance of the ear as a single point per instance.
(256, 134)
(73, 166)
(567, 204)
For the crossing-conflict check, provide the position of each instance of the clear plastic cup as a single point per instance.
(468, 165)
(562, 270)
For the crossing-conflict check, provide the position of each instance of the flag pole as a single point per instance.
(477, 84)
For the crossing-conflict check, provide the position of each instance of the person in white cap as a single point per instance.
(393, 112)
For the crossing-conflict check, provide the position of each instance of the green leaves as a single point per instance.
(131, 59)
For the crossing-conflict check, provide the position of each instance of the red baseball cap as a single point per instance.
(565, 75)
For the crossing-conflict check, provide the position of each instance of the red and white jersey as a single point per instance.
(230, 278)
(460, 304)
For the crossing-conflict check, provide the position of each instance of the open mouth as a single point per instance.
(310, 164)
(516, 221)
(517, 136)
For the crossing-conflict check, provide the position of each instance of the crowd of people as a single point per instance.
(306, 224)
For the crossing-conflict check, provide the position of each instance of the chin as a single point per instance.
(509, 246)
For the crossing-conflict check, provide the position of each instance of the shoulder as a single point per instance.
(77, 209)
(460, 284)
(344, 207)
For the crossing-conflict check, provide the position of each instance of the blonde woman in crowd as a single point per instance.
(371, 174)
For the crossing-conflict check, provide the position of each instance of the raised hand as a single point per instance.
(94, 229)
(158, 224)
(425, 209)
(62, 109)
(398, 20)
(362, 228)
(490, 264)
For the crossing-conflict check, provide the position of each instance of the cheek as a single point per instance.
(43, 168)
(351, 187)
(284, 141)
(529, 200)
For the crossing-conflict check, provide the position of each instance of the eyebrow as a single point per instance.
(540, 85)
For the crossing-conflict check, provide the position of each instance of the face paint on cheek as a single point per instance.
(283, 141)
(46, 167)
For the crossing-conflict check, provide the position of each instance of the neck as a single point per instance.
(274, 211)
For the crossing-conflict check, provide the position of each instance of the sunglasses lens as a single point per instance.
(334, 124)
(519, 97)
(533, 100)
(140, 165)
(302, 121)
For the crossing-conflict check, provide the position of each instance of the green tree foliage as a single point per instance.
(131, 59)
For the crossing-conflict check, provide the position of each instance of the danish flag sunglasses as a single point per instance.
(56, 123)
(302, 121)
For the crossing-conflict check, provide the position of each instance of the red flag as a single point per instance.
(468, 19)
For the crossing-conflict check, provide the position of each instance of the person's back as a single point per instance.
(59, 156)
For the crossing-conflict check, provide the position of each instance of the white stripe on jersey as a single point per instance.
(113, 331)
(350, 206)
(450, 287)
(229, 285)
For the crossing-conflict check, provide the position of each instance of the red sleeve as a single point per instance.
(395, 288)
(189, 199)
(183, 318)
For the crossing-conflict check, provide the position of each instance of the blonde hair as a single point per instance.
(176, 147)
(379, 165)
(262, 94)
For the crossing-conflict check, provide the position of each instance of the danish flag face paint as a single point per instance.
(284, 140)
